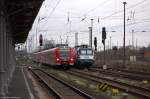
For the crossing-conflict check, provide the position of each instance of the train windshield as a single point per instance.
(89, 52)
(86, 51)
(83, 51)
(64, 53)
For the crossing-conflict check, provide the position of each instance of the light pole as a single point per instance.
(133, 50)
(133, 39)
(110, 42)
(124, 56)
(76, 39)
(91, 32)
(110, 49)
(135, 45)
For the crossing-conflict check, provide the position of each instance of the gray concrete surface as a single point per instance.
(18, 88)
(7, 53)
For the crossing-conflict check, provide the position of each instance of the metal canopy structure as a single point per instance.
(21, 15)
(16, 19)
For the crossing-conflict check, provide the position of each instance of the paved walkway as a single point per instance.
(19, 87)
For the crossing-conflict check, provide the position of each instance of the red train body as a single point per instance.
(55, 56)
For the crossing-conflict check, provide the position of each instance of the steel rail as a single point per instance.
(68, 88)
(134, 76)
(144, 92)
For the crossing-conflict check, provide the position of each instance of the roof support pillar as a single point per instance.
(7, 60)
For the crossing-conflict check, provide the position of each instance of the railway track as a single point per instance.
(140, 91)
(124, 73)
(127, 70)
(60, 88)
(133, 71)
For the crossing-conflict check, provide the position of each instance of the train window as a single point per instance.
(86, 52)
(64, 53)
(83, 52)
(89, 52)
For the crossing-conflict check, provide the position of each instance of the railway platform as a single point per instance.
(18, 87)
(21, 86)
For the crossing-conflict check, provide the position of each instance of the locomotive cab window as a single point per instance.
(83, 52)
(89, 52)
(86, 51)
(64, 53)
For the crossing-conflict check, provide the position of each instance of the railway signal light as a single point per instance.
(103, 33)
(95, 43)
(41, 40)
(103, 41)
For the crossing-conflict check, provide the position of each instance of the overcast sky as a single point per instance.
(62, 18)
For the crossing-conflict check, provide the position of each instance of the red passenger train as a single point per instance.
(59, 56)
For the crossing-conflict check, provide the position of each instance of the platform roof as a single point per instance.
(21, 15)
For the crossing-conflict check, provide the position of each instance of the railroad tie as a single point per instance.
(103, 86)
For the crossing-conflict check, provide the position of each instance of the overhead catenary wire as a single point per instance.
(111, 15)
(133, 23)
(101, 18)
(39, 18)
(132, 6)
(53, 9)
(86, 13)
(121, 11)
(102, 3)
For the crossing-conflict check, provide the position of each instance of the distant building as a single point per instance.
(61, 45)
(147, 54)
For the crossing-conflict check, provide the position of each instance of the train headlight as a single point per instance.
(71, 59)
(57, 59)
